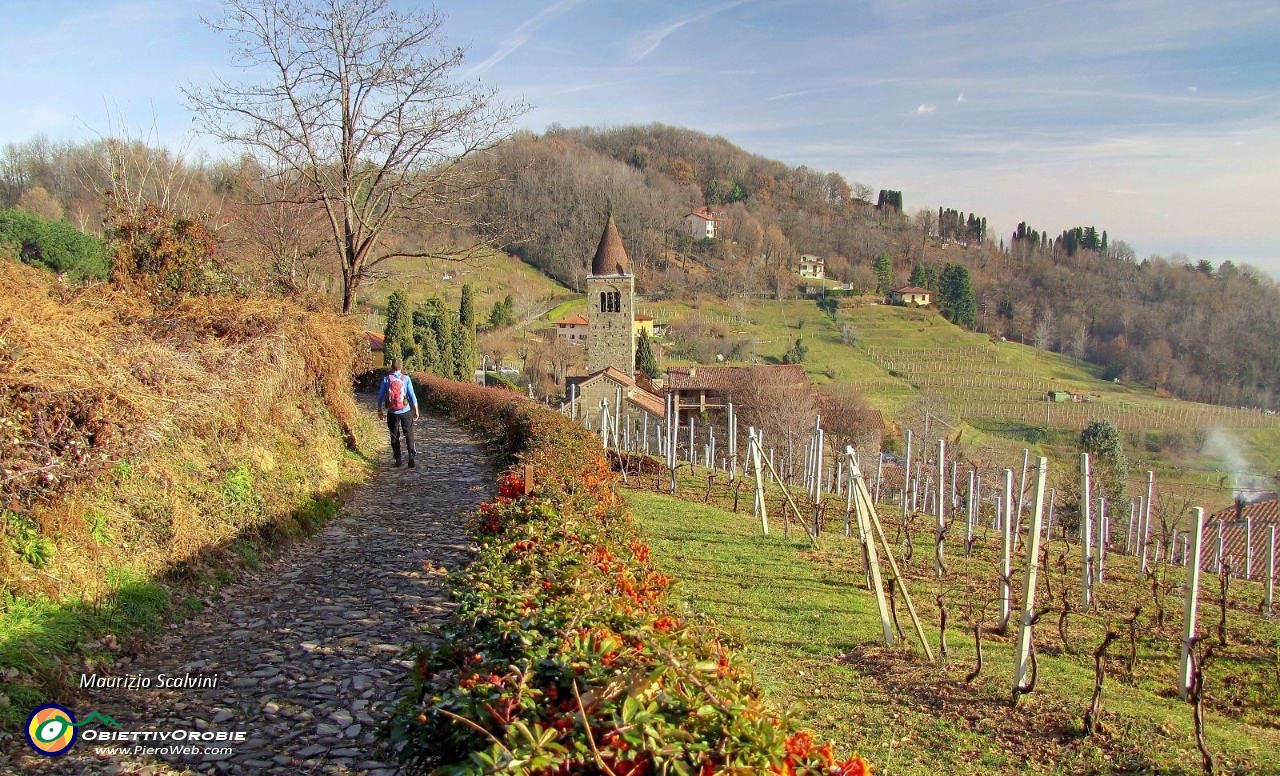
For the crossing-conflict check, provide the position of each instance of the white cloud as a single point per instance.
(962, 98)
(923, 109)
(646, 43)
(522, 34)
(1192, 89)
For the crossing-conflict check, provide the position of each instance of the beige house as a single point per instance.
(643, 323)
(812, 266)
(912, 296)
(572, 330)
(702, 224)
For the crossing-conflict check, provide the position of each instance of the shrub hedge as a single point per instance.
(565, 655)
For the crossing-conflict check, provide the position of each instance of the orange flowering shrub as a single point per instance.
(565, 656)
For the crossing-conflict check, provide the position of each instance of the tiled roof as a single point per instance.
(376, 340)
(577, 320)
(640, 317)
(912, 290)
(726, 378)
(654, 405)
(1262, 514)
(611, 257)
(704, 213)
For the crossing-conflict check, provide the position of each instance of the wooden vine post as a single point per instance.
(942, 515)
(869, 554)
(1023, 663)
(1189, 612)
(758, 470)
(865, 498)
(1086, 535)
(1006, 564)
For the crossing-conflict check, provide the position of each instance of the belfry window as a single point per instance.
(610, 302)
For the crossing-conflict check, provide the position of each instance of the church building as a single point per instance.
(611, 334)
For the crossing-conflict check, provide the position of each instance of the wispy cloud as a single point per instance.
(646, 43)
(923, 109)
(962, 98)
(522, 34)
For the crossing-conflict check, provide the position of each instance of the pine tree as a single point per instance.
(884, 273)
(919, 277)
(645, 360)
(955, 295)
(397, 336)
(503, 313)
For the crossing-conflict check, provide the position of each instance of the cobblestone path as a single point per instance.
(308, 651)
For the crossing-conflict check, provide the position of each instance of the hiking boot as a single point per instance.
(411, 463)
(398, 463)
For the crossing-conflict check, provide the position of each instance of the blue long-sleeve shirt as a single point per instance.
(384, 391)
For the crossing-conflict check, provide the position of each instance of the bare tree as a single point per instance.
(360, 102)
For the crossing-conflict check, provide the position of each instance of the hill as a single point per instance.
(149, 451)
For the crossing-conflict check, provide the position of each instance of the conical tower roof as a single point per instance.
(611, 257)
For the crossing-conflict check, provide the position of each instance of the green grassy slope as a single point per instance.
(812, 631)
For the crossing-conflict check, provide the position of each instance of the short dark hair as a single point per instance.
(397, 364)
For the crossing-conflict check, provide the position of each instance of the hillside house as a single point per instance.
(643, 323)
(702, 224)
(707, 390)
(812, 266)
(1245, 529)
(572, 330)
(911, 296)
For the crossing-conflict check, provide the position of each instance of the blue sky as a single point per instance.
(1157, 121)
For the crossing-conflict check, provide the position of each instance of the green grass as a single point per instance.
(492, 276)
(812, 631)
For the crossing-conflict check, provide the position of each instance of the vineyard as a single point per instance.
(982, 382)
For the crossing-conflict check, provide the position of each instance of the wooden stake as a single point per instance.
(870, 556)
(1029, 589)
(1189, 611)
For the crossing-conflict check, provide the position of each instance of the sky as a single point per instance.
(1156, 121)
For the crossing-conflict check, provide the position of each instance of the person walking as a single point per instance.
(397, 400)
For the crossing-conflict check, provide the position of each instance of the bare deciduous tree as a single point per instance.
(360, 102)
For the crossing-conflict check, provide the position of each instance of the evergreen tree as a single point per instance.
(1109, 467)
(884, 273)
(464, 346)
(503, 313)
(645, 360)
(397, 335)
(440, 320)
(797, 353)
(917, 275)
(955, 295)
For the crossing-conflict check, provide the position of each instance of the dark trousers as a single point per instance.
(397, 423)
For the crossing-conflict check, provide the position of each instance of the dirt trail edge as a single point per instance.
(308, 651)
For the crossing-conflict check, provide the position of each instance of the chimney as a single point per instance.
(1239, 507)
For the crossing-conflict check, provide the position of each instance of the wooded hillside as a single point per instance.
(1192, 329)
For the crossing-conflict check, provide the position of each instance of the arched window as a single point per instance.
(610, 302)
(604, 301)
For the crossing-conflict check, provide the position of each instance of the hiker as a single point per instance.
(395, 395)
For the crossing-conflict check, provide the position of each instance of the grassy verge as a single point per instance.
(812, 632)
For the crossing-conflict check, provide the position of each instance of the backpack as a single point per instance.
(396, 399)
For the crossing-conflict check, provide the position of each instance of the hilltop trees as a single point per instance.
(361, 102)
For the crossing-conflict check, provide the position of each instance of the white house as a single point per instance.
(702, 224)
(812, 266)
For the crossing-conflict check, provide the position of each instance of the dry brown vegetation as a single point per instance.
(134, 436)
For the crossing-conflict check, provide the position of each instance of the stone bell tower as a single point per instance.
(611, 337)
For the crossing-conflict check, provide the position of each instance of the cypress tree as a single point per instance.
(464, 345)
(398, 333)
(645, 360)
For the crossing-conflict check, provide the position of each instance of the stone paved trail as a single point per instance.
(309, 651)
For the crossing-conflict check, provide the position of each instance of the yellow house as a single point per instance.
(643, 323)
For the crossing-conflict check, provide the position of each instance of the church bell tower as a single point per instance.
(611, 338)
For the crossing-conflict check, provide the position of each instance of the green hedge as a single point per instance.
(53, 245)
(565, 655)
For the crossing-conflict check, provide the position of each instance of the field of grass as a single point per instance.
(810, 627)
(492, 276)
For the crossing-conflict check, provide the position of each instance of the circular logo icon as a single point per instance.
(51, 730)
